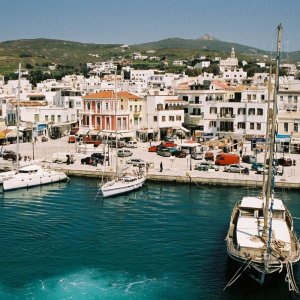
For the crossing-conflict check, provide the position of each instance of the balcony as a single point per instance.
(226, 116)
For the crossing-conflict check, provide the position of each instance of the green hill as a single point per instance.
(37, 54)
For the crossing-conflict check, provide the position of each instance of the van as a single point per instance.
(131, 144)
(224, 159)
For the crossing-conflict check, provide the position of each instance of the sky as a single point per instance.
(247, 22)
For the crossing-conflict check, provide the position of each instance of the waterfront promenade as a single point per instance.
(174, 170)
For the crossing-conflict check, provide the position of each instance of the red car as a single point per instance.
(152, 149)
(168, 144)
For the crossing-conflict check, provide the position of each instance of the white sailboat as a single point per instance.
(31, 175)
(124, 183)
(261, 234)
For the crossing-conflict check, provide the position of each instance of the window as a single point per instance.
(119, 124)
(260, 111)
(52, 118)
(258, 126)
(178, 118)
(241, 111)
(140, 107)
(98, 106)
(296, 127)
(251, 125)
(197, 99)
(213, 110)
(98, 121)
(155, 119)
(212, 124)
(185, 98)
(36, 117)
(171, 118)
(251, 111)
(46, 118)
(163, 118)
(262, 97)
(286, 127)
(59, 118)
(186, 110)
(241, 125)
(88, 105)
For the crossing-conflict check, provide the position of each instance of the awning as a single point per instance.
(182, 128)
(93, 132)
(119, 134)
(283, 138)
(295, 141)
(149, 130)
(82, 131)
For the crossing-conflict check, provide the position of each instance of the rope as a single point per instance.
(290, 278)
(237, 275)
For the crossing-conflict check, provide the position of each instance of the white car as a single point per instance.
(234, 168)
(131, 144)
(135, 162)
(124, 153)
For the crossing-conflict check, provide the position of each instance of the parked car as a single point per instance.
(249, 159)
(92, 161)
(278, 170)
(168, 138)
(168, 144)
(164, 152)
(205, 166)
(124, 153)
(256, 165)
(136, 162)
(285, 161)
(234, 168)
(131, 144)
(113, 143)
(209, 156)
(197, 155)
(180, 154)
(11, 155)
(152, 148)
(100, 156)
(172, 150)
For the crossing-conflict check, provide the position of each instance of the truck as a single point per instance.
(224, 159)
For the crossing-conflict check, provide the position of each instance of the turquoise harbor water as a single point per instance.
(161, 242)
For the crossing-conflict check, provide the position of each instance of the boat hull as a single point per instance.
(30, 180)
(118, 187)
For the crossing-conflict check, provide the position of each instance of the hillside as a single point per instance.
(39, 53)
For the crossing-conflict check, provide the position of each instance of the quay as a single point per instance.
(177, 170)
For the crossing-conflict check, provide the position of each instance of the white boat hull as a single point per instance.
(25, 180)
(116, 187)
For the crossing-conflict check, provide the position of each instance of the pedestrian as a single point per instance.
(161, 166)
(294, 162)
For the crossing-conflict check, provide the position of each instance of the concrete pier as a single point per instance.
(179, 170)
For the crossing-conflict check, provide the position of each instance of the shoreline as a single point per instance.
(178, 170)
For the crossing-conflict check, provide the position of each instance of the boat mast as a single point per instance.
(116, 133)
(263, 192)
(18, 116)
(271, 171)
